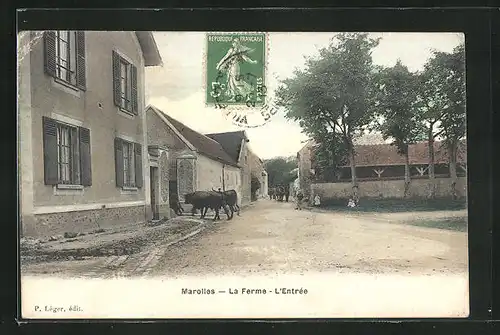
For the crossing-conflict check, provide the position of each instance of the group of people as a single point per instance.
(281, 193)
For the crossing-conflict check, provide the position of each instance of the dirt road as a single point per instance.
(271, 237)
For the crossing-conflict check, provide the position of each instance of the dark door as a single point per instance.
(154, 188)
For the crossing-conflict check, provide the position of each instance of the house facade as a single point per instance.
(82, 130)
(195, 161)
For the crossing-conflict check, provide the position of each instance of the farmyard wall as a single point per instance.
(390, 188)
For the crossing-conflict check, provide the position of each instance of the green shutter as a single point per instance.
(50, 162)
(85, 159)
(80, 60)
(116, 79)
(49, 50)
(138, 165)
(75, 159)
(133, 81)
(119, 162)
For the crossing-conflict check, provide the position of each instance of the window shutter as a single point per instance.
(85, 160)
(116, 79)
(80, 60)
(49, 49)
(133, 80)
(76, 171)
(138, 165)
(50, 151)
(119, 162)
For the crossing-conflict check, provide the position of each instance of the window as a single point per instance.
(128, 164)
(125, 93)
(124, 84)
(64, 53)
(66, 154)
(66, 56)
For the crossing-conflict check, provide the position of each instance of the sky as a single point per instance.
(178, 89)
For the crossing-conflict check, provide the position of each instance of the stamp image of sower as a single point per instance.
(236, 77)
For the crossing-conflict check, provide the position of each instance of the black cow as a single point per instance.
(203, 200)
(231, 199)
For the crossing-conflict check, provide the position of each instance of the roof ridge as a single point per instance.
(228, 157)
(199, 133)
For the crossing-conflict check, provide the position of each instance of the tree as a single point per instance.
(453, 122)
(278, 170)
(327, 157)
(442, 97)
(331, 97)
(396, 115)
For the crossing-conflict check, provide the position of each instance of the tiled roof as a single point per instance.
(230, 141)
(386, 154)
(203, 144)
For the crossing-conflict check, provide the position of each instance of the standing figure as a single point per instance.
(287, 193)
(317, 200)
(299, 198)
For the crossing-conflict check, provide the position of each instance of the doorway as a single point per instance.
(155, 208)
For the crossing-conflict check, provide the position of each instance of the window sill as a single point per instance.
(63, 189)
(69, 187)
(126, 113)
(65, 83)
(66, 87)
(129, 190)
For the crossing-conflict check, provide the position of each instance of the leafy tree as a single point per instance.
(328, 155)
(331, 97)
(397, 115)
(442, 97)
(278, 170)
(453, 122)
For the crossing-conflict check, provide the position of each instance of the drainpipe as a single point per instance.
(223, 178)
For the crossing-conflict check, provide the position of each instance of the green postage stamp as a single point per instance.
(236, 69)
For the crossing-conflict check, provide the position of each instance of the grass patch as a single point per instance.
(388, 205)
(458, 223)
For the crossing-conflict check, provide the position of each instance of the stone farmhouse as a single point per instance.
(184, 161)
(82, 130)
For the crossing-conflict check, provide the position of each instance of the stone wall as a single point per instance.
(186, 176)
(390, 188)
(83, 221)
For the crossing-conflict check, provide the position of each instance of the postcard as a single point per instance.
(243, 174)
